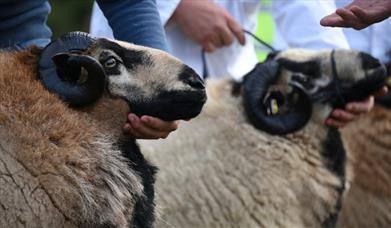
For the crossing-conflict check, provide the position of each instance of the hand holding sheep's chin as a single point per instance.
(353, 110)
(148, 127)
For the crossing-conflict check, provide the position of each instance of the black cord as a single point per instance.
(205, 73)
(337, 85)
(259, 40)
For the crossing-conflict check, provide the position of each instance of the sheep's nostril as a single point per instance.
(190, 77)
(195, 81)
(369, 62)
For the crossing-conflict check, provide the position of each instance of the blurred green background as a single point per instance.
(69, 15)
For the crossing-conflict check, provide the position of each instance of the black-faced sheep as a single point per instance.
(368, 202)
(220, 171)
(73, 167)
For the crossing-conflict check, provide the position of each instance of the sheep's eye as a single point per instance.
(110, 62)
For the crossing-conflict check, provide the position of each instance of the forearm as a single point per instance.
(135, 21)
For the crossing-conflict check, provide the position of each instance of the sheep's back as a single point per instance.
(368, 202)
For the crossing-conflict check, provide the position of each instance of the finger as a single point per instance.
(343, 116)
(360, 13)
(145, 132)
(332, 20)
(350, 20)
(158, 124)
(217, 41)
(236, 30)
(382, 92)
(346, 14)
(361, 107)
(127, 128)
(134, 133)
(213, 39)
(140, 130)
(226, 36)
(208, 47)
(335, 123)
(133, 121)
(365, 16)
(137, 134)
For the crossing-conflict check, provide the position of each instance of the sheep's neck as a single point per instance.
(109, 115)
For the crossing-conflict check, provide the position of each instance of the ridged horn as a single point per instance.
(255, 87)
(62, 64)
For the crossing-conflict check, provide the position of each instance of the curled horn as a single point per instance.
(61, 68)
(255, 87)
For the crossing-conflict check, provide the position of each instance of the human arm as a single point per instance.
(206, 23)
(135, 21)
(359, 14)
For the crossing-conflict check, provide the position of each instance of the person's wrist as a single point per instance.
(182, 8)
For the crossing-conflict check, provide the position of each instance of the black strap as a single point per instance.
(334, 88)
(336, 83)
(205, 73)
(271, 48)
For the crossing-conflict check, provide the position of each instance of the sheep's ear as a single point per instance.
(259, 110)
(62, 64)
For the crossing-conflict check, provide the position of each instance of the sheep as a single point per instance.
(259, 154)
(368, 202)
(64, 160)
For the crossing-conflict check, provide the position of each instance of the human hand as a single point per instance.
(148, 127)
(208, 24)
(359, 14)
(353, 110)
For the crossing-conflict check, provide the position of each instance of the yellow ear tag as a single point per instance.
(389, 81)
(273, 107)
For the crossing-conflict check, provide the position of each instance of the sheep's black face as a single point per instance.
(334, 77)
(282, 94)
(151, 81)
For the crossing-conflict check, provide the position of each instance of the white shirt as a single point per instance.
(375, 39)
(301, 29)
(298, 25)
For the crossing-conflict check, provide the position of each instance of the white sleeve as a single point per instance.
(166, 9)
(298, 24)
(99, 26)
